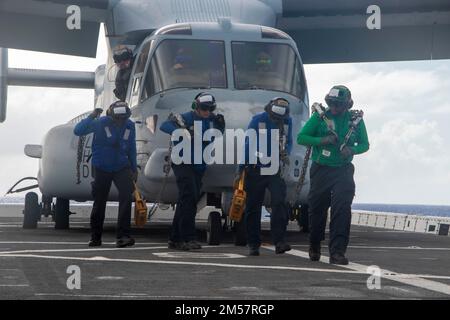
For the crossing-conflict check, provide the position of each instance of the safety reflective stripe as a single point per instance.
(108, 132)
(126, 135)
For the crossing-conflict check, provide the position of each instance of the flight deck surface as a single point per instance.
(34, 265)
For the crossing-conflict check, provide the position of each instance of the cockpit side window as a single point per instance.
(186, 63)
(268, 66)
(138, 73)
(143, 56)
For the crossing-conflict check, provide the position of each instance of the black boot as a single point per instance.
(124, 242)
(178, 245)
(282, 247)
(95, 243)
(194, 245)
(314, 251)
(338, 258)
(253, 251)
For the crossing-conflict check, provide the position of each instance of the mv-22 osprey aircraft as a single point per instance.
(224, 39)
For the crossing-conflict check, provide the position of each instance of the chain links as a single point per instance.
(81, 141)
(166, 170)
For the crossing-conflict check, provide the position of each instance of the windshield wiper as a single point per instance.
(254, 88)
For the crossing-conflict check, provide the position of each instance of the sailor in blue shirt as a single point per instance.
(189, 175)
(114, 160)
(276, 116)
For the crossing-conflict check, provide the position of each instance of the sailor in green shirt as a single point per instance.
(334, 144)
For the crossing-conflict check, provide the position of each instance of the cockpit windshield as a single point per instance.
(182, 63)
(269, 66)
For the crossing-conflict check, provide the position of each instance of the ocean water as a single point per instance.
(10, 200)
(422, 210)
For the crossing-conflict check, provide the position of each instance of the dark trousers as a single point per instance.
(255, 186)
(335, 187)
(189, 183)
(100, 191)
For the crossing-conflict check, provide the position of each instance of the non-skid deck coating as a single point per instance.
(34, 263)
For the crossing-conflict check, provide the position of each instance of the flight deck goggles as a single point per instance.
(122, 56)
(280, 106)
(206, 103)
(119, 110)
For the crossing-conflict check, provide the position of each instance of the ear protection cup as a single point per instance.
(350, 103)
(195, 102)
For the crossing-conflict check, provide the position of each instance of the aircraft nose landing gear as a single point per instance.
(32, 211)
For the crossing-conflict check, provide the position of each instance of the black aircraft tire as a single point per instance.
(31, 211)
(240, 234)
(214, 229)
(62, 214)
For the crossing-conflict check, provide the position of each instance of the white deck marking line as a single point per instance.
(125, 295)
(405, 276)
(373, 247)
(104, 243)
(198, 255)
(42, 242)
(74, 243)
(224, 265)
(14, 285)
(87, 250)
(409, 279)
(80, 250)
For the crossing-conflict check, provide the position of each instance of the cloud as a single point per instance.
(33, 111)
(406, 108)
(407, 163)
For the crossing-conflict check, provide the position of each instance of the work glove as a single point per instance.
(134, 175)
(219, 122)
(346, 152)
(330, 139)
(96, 113)
(194, 134)
(189, 133)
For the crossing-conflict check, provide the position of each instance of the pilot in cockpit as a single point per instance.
(183, 59)
(263, 62)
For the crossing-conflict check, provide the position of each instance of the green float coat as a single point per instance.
(315, 129)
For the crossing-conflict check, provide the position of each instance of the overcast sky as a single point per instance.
(406, 110)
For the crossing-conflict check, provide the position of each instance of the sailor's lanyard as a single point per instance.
(356, 118)
(319, 108)
(282, 147)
